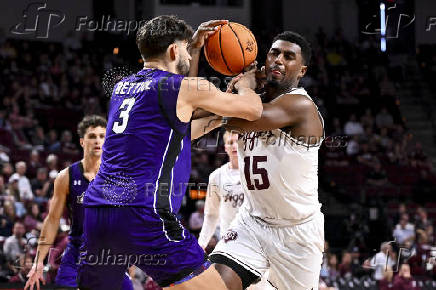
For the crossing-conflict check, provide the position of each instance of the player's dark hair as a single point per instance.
(90, 121)
(306, 48)
(154, 37)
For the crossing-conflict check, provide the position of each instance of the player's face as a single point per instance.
(284, 64)
(183, 64)
(92, 142)
(231, 145)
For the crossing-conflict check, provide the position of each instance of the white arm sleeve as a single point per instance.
(211, 210)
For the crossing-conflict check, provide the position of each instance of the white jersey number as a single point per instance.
(254, 168)
(125, 108)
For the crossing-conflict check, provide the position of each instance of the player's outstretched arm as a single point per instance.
(49, 229)
(203, 31)
(286, 111)
(199, 93)
(211, 211)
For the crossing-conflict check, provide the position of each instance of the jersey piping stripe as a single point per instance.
(177, 158)
(174, 231)
(157, 180)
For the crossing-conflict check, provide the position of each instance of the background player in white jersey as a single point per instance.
(224, 193)
(280, 227)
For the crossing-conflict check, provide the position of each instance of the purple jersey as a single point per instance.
(78, 186)
(146, 159)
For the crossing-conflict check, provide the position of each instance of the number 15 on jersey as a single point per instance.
(252, 166)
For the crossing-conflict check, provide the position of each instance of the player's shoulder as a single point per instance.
(296, 100)
(63, 177)
(298, 94)
(299, 91)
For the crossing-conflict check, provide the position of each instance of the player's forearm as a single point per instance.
(203, 126)
(48, 234)
(238, 125)
(195, 58)
(249, 103)
(271, 119)
(208, 229)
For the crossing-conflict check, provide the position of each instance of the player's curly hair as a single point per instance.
(306, 48)
(90, 121)
(154, 37)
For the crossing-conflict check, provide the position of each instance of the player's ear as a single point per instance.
(303, 71)
(81, 142)
(172, 51)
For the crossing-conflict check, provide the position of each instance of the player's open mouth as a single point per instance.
(276, 72)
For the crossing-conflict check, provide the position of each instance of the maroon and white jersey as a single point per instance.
(279, 175)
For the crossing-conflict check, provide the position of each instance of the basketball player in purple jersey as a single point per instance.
(70, 185)
(131, 205)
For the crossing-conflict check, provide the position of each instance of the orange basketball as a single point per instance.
(231, 49)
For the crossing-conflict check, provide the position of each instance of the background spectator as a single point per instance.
(23, 182)
(197, 218)
(404, 232)
(14, 245)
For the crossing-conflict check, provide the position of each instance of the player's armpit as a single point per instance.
(200, 93)
(287, 110)
(200, 113)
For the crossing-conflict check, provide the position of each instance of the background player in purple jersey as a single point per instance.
(131, 205)
(70, 185)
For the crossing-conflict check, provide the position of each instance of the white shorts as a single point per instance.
(293, 255)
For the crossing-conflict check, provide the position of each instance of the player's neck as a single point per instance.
(160, 66)
(91, 164)
(272, 92)
(233, 164)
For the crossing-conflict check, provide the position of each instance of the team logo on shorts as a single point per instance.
(230, 236)
(80, 198)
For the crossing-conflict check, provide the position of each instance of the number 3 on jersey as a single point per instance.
(254, 168)
(124, 109)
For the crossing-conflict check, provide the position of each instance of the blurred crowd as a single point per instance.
(369, 158)
(404, 261)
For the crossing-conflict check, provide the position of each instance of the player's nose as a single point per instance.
(279, 59)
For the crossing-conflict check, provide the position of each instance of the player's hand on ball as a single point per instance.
(247, 80)
(203, 31)
(232, 83)
(261, 77)
(251, 66)
(35, 275)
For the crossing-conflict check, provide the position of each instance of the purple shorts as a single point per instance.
(115, 238)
